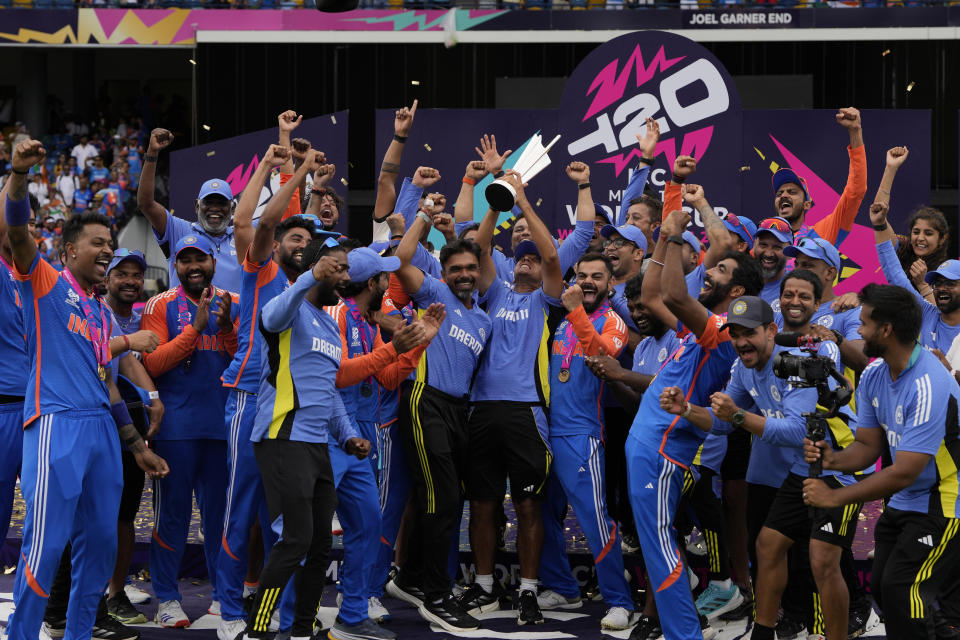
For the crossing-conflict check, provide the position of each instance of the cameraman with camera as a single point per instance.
(784, 404)
(914, 399)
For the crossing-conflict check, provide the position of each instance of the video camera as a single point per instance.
(812, 370)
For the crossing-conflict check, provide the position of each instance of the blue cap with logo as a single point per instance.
(215, 186)
(628, 232)
(949, 270)
(193, 241)
(121, 255)
(598, 210)
(816, 248)
(689, 237)
(365, 263)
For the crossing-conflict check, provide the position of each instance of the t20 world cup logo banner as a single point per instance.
(675, 81)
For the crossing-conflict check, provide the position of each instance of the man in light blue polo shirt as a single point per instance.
(214, 208)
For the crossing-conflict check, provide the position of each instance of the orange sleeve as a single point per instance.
(845, 213)
(353, 370)
(42, 277)
(394, 373)
(672, 198)
(293, 207)
(612, 340)
(395, 292)
(712, 336)
(170, 352)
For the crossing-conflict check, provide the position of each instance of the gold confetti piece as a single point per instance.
(9, 570)
(333, 119)
(427, 147)
(742, 169)
(343, 181)
(350, 164)
(539, 201)
(206, 127)
(885, 53)
(192, 61)
(415, 83)
(911, 86)
(210, 153)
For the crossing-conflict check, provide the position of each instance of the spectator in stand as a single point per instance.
(98, 172)
(66, 183)
(83, 196)
(83, 152)
(38, 188)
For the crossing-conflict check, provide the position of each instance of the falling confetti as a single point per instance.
(539, 201)
(885, 53)
(742, 169)
(343, 181)
(415, 83)
(210, 153)
(427, 147)
(911, 86)
(206, 127)
(333, 119)
(193, 62)
(350, 164)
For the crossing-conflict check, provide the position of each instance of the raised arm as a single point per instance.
(488, 268)
(835, 226)
(683, 168)
(650, 295)
(576, 243)
(412, 189)
(410, 276)
(390, 167)
(717, 232)
(549, 259)
(638, 180)
(286, 123)
(243, 232)
(688, 310)
(463, 208)
(17, 205)
(262, 245)
(160, 139)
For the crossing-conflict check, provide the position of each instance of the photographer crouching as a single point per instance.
(787, 408)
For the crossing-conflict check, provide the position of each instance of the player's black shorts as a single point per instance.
(791, 517)
(507, 439)
(132, 487)
(735, 463)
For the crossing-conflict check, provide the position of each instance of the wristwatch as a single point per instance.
(738, 417)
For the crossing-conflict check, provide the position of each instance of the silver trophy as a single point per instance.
(534, 159)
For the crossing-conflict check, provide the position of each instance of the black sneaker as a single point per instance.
(475, 600)
(745, 610)
(789, 628)
(396, 588)
(106, 628)
(945, 629)
(120, 608)
(448, 614)
(591, 590)
(630, 543)
(647, 629)
(528, 611)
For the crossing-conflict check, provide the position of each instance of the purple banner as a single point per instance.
(235, 159)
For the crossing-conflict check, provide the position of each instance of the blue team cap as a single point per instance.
(816, 248)
(317, 222)
(600, 211)
(215, 186)
(689, 236)
(330, 238)
(742, 226)
(949, 270)
(779, 228)
(525, 248)
(121, 255)
(365, 263)
(785, 175)
(137, 400)
(193, 241)
(628, 232)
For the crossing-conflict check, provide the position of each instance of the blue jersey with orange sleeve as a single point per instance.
(575, 404)
(259, 284)
(699, 367)
(64, 373)
(187, 366)
(13, 343)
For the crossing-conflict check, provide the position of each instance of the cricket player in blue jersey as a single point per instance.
(907, 403)
(661, 446)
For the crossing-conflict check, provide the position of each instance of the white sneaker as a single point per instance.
(550, 599)
(335, 527)
(618, 618)
(170, 615)
(135, 594)
(376, 611)
(214, 608)
(231, 629)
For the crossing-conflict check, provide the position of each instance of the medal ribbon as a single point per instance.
(98, 335)
(363, 326)
(183, 309)
(570, 337)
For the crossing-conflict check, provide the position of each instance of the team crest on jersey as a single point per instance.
(899, 414)
(356, 337)
(662, 355)
(775, 305)
(825, 321)
(775, 393)
(73, 299)
(483, 332)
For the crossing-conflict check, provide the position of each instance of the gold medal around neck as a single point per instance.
(564, 375)
(102, 372)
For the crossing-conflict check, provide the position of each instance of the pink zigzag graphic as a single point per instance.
(694, 144)
(238, 178)
(610, 85)
(859, 244)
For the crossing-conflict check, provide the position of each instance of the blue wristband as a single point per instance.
(18, 212)
(120, 414)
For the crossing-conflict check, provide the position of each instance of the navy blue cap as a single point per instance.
(525, 248)
(785, 175)
(749, 312)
